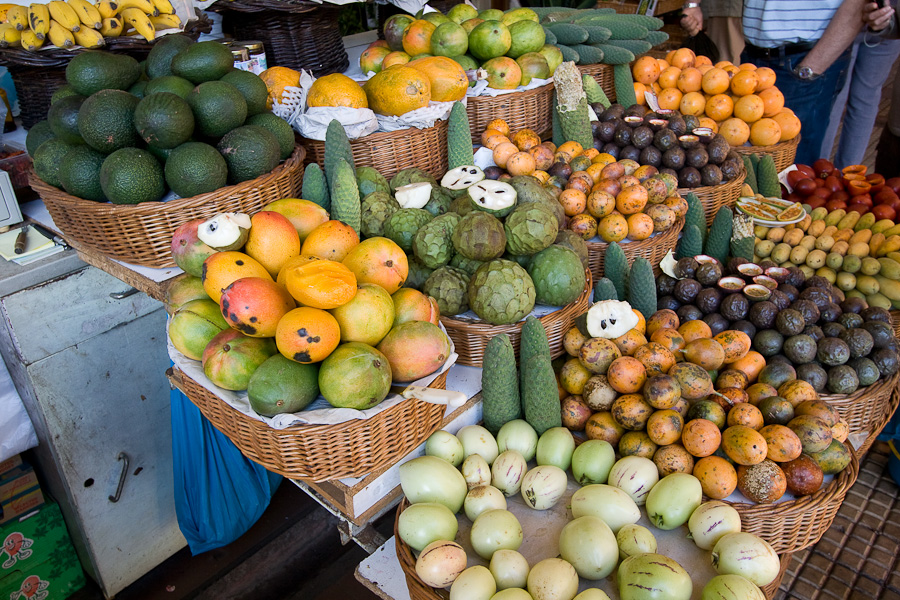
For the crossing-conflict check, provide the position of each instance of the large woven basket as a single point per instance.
(895, 322)
(295, 33)
(603, 74)
(793, 525)
(868, 409)
(783, 153)
(714, 197)
(322, 452)
(471, 338)
(653, 249)
(521, 110)
(141, 234)
(393, 151)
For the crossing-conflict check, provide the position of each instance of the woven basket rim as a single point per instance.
(179, 204)
(543, 89)
(738, 181)
(636, 246)
(879, 387)
(768, 149)
(382, 136)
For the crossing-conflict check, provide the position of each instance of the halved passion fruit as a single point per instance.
(757, 293)
(779, 274)
(732, 284)
(689, 141)
(634, 120)
(657, 124)
(705, 259)
(704, 133)
(766, 281)
(750, 269)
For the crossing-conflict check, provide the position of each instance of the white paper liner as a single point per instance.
(319, 412)
(481, 87)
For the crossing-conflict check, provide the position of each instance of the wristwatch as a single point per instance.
(806, 73)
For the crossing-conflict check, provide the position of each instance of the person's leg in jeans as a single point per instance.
(840, 103)
(869, 74)
(887, 157)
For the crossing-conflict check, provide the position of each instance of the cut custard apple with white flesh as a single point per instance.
(610, 319)
(495, 197)
(461, 178)
(413, 195)
(225, 231)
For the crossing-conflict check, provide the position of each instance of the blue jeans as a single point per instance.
(870, 65)
(811, 101)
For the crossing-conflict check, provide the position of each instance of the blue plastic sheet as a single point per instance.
(219, 493)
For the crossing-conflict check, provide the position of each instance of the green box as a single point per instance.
(37, 559)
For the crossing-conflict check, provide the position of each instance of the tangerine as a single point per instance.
(626, 375)
(719, 107)
(613, 227)
(487, 133)
(600, 203)
(663, 64)
(695, 330)
(701, 61)
(747, 67)
(520, 163)
(632, 199)
(495, 140)
(526, 139)
(336, 90)
(773, 101)
(710, 123)
(735, 131)
(500, 125)
(503, 152)
(765, 132)
(640, 226)
(683, 58)
(744, 82)
(639, 90)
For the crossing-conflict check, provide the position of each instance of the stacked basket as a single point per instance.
(654, 249)
(714, 197)
(783, 153)
(530, 109)
(868, 409)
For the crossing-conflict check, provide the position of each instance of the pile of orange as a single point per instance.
(741, 102)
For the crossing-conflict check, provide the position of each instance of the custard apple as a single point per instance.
(501, 292)
(432, 244)
(466, 264)
(528, 189)
(573, 241)
(448, 285)
(462, 205)
(440, 201)
(369, 180)
(413, 175)
(530, 228)
(558, 276)
(479, 236)
(376, 209)
(417, 275)
(403, 225)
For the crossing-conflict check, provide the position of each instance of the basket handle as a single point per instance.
(894, 448)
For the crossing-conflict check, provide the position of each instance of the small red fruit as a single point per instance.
(823, 167)
(876, 180)
(884, 211)
(805, 187)
(822, 193)
(840, 195)
(885, 195)
(835, 205)
(815, 202)
(807, 170)
(894, 184)
(794, 176)
(862, 199)
(833, 183)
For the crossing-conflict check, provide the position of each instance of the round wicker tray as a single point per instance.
(653, 249)
(783, 153)
(141, 234)
(323, 452)
(471, 338)
(393, 151)
(714, 197)
(521, 110)
(868, 409)
(792, 526)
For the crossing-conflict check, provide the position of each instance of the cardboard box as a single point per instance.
(20, 492)
(37, 559)
(9, 464)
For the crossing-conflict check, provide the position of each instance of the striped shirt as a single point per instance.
(773, 23)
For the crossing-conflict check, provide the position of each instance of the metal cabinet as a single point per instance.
(90, 368)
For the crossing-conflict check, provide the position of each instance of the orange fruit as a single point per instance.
(520, 163)
(670, 98)
(709, 122)
(398, 90)
(663, 64)
(499, 125)
(668, 78)
(752, 363)
(694, 330)
(655, 88)
(503, 152)
(632, 199)
(765, 132)
(395, 58)
(719, 107)
(715, 81)
(683, 58)
(495, 140)
(669, 56)
(645, 70)
(488, 133)
(573, 202)
(526, 139)
(276, 79)
(747, 67)
(735, 131)
(613, 227)
(307, 335)
(744, 82)
(692, 103)
(704, 68)
(766, 78)
(600, 203)
(773, 101)
(749, 108)
(639, 90)
(640, 226)
(689, 80)
(321, 284)
(723, 63)
(447, 78)
(730, 69)
(702, 60)
(417, 38)
(594, 171)
(789, 123)
(336, 90)
(331, 240)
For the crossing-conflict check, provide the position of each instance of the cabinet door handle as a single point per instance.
(124, 458)
(121, 295)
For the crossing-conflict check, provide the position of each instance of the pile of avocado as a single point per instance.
(183, 120)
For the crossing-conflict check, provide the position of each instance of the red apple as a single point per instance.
(815, 202)
(884, 211)
(876, 181)
(894, 184)
(835, 205)
(805, 187)
(807, 170)
(860, 208)
(823, 167)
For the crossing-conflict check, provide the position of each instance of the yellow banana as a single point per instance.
(63, 14)
(9, 36)
(145, 6)
(112, 27)
(17, 16)
(89, 38)
(30, 40)
(60, 36)
(164, 7)
(107, 8)
(87, 13)
(166, 22)
(39, 20)
(4, 8)
(140, 21)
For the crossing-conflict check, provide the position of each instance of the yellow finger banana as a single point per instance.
(166, 22)
(107, 8)
(87, 13)
(9, 36)
(4, 8)
(39, 20)
(63, 14)
(30, 40)
(145, 6)
(112, 27)
(60, 36)
(140, 21)
(17, 16)
(164, 7)
(89, 38)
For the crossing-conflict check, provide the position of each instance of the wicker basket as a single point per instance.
(783, 153)
(603, 74)
(772, 589)
(793, 525)
(521, 110)
(868, 409)
(653, 249)
(295, 33)
(141, 234)
(895, 322)
(323, 452)
(471, 338)
(393, 151)
(714, 197)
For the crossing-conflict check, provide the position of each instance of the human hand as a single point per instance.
(877, 18)
(692, 20)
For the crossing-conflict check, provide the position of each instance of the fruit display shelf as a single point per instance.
(470, 338)
(322, 452)
(868, 409)
(783, 153)
(141, 234)
(529, 109)
(714, 197)
(654, 249)
(392, 151)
